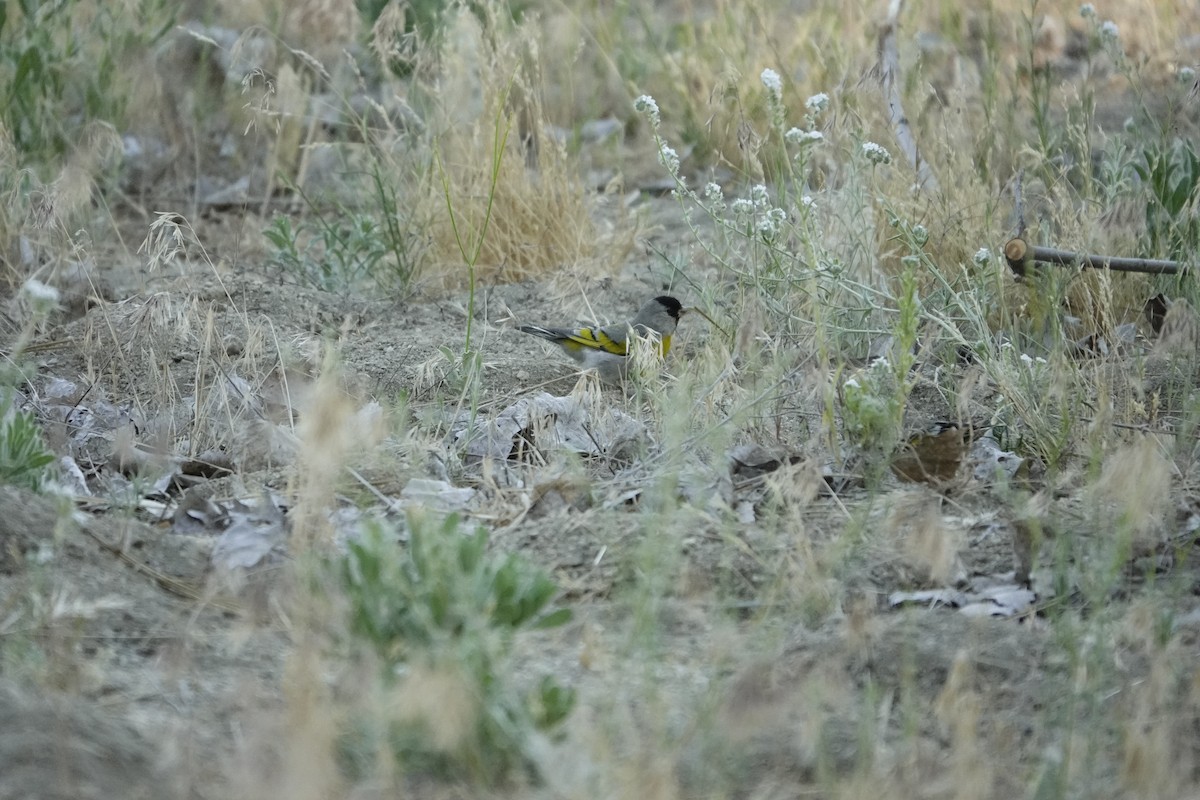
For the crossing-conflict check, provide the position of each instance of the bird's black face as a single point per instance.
(673, 306)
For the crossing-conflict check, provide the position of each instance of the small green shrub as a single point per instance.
(1171, 174)
(873, 409)
(24, 459)
(444, 605)
(53, 72)
(348, 247)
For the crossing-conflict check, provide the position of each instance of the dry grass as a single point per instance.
(732, 639)
(504, 196)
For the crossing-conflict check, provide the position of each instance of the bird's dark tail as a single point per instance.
(545, 333)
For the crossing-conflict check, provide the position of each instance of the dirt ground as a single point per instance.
(132, 668)
(167, 691)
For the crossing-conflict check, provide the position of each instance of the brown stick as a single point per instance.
(1021, 257)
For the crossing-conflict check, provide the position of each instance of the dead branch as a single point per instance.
(889, 71)
(1021, 257)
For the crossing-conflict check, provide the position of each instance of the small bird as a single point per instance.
(606, 349)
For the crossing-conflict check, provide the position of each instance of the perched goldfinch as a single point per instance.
(606, 349)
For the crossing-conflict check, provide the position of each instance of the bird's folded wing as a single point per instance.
(594, 338)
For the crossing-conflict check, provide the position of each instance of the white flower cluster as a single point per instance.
(760, 195)
(714, 197)
(1110, 34)
(768, 220)
(772, 223)
(876, 153)
(773, 84)
(668, 158)
(757, 215)
(41, 297)
(796, 136)
(647, 105)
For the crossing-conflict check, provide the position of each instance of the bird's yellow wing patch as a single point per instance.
(594, 339)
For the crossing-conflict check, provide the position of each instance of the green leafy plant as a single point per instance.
(35, 65)
(50, 73)
(872, 408)
(443, 605)
(347, 247)
(874, 400)
(424, 25)
(24, 459)
(1171, 174)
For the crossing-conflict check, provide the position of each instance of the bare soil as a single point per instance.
(116, 683)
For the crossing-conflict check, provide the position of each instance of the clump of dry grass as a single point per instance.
(330, 433)
(498, 198)
(48, 215)
(505, 201)
(1134, 487)
(476, 178)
